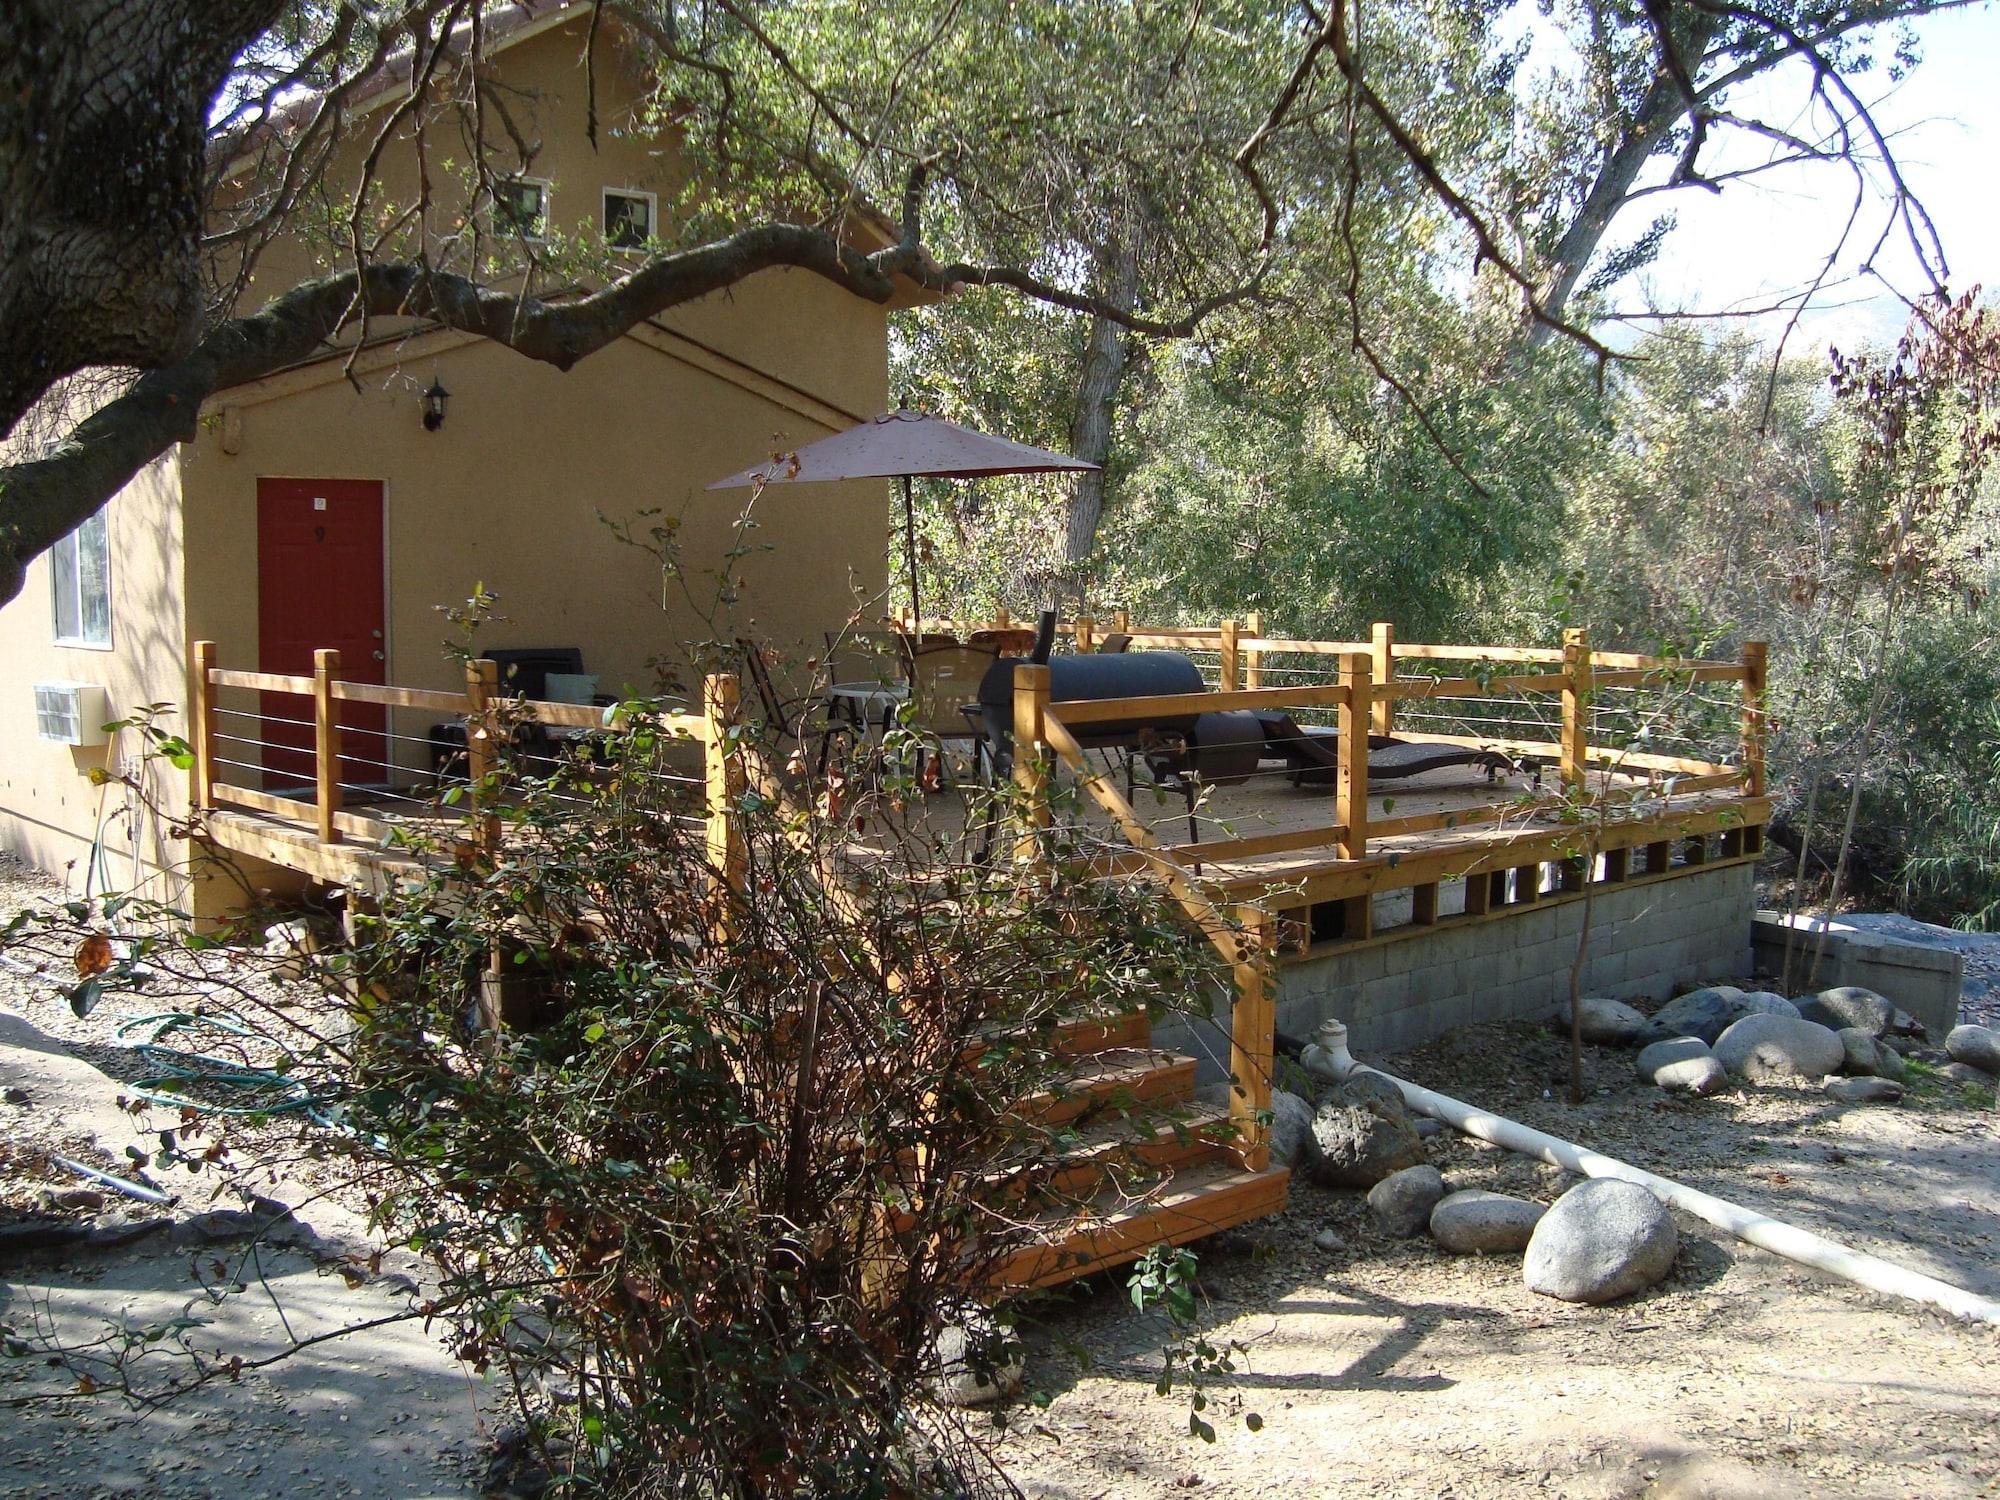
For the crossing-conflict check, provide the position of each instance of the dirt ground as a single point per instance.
(1384, 1367)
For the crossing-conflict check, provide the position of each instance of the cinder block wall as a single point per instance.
(1405, 987)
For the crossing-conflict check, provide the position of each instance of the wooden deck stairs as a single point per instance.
(1141, 1161)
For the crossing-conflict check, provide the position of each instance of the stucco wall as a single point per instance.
(49, 811)
(506, 494)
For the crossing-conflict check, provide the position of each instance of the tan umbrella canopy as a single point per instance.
(899, 445)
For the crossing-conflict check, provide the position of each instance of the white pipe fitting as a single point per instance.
(1329, 1058)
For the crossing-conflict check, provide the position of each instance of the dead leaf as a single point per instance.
(94, 956)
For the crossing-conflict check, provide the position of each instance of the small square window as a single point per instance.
(80, 566)
(521, 208)
(628, 218)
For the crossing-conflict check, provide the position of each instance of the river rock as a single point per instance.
(1291, 1124)
(1602, 1240)
(1975, 1046)
(1367, 1089)
(1863, 1055)
(1606, 1023)
(1766, 1048)
(1703, 1013)
(1681, 1065)
(1889, 1063)
(1864, 1090)
(978, 1361)
(1402, 1201)
(1850, 1005)
(1359, 1136)
(1475, 1222)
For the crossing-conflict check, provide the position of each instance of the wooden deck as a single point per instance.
(1274, 865)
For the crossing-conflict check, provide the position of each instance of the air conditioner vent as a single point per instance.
(71, 713)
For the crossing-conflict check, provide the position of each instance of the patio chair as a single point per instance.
(943, 680)
(801, 718)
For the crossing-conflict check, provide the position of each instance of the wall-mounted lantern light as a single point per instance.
(434, 400)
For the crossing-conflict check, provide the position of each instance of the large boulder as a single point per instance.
(978, 1361)
(1681, 1065)
(1702, 1013)
(1361, 1134)
(1475, 1222)
(1602, 1240)
(1291, 1126)
(1606, 1023)
(1402, 1202)
(1770, 1048)
(1850, 1005)
(1964, 1075)
(1975, 1046)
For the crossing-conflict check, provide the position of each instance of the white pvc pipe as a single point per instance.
(1329, 1058)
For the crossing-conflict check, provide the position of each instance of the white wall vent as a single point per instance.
(71, 713)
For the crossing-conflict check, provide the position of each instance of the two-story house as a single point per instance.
(335, 505)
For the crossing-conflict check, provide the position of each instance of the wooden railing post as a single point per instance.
(1086, 633)
(1031, 773)
(1001, 619)
(1252, 1019)
(1351, 785)
(326, 743)
(201, 724)
(1230, 668)
(728, 856)
(1121, 620)
(1756, 661)
(1384, 717)
(482, 686)
(1576, 675)
(1253, 661)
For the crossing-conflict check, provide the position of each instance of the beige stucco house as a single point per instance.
(316, 507)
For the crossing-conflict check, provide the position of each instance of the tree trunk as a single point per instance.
(1097, 401)
(1660, 110)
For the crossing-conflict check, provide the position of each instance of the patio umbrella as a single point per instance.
(900, 445)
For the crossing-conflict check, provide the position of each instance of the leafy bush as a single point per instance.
(760, 1141)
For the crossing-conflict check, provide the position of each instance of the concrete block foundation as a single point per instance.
(1925, 980)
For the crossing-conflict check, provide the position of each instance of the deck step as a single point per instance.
(1192, 1204)
(1133, 1153)
(1077, 1036)
(1110, 1080)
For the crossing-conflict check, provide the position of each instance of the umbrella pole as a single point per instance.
(910, 551)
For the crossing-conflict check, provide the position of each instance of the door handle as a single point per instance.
(378, 655)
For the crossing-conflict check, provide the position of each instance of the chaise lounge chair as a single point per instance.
(1311, 752)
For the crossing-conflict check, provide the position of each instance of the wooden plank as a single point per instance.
(569, 715)
(482, 685)
(1478, 894)
(1261, 642)
(1575, 708)
(1756, 665)
(1451, 818)
(1253, 1019)
(1253, 661)
(326, 744)
(292, 811)
(1383, 650)
(1229, 668)
(1031, 707)
(1659, 857)
(1498, 852)
(1076, 712)
(1527, 883)
(1357, 918)
(201, 723)
(1351, 776)
(402, 697)
(1664, 664)
(362, 826)
(292, 846)
(728, 859)
(265, 682)
(1617, 866)
(1257, 844)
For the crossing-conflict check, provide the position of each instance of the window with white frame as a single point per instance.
(521, 208)
(628, 218)
(80, 565)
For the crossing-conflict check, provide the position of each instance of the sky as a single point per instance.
(1770, 235)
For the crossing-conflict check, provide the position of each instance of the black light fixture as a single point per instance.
(434, 400)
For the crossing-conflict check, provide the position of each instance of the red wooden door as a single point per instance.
(319, 584)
